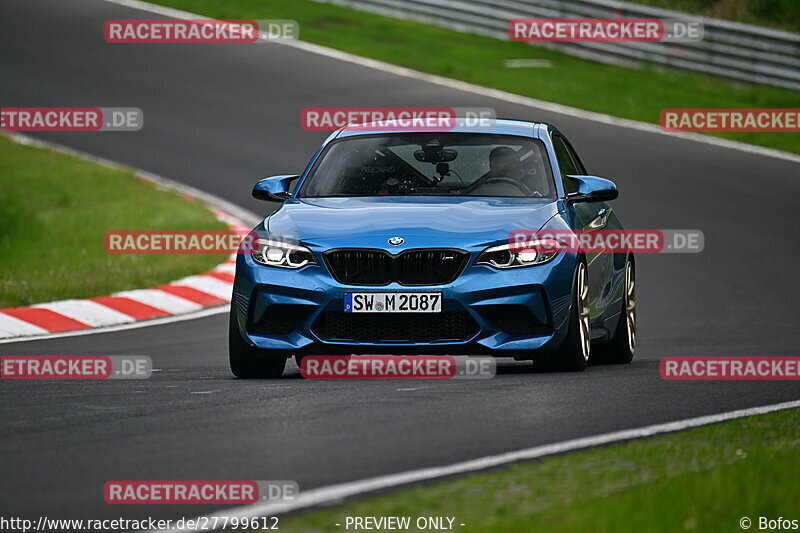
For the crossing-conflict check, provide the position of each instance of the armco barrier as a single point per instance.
(730, 49)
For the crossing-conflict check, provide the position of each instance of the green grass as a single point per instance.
(54, 212)
(782, 14)
(704, 479)
(627, 93)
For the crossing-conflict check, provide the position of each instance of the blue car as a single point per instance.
(399, 241)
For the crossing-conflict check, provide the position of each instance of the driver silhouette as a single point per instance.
(503, 163)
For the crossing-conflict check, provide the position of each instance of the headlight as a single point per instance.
(282, 254)
(536, 252)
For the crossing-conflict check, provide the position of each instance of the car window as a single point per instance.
(574, 155)
(432, 164)
(568, 163)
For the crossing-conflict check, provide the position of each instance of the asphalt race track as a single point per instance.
(218, 117)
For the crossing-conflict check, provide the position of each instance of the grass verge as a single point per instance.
(781, 14)
(54, 213)
(627, 93)
(703, 479)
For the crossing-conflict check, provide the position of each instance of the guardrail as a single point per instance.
(730, 49)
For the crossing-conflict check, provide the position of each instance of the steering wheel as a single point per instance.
(508, 181)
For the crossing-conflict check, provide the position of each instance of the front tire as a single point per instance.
(621, 348)
(573, 353)
(249, 362)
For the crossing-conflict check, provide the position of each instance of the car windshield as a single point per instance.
(432, 164)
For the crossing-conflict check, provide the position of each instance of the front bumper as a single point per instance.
(488, 311)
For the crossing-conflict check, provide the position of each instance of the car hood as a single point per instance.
(451, 222)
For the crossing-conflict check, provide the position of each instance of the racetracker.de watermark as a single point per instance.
(71, 119)
(604, 30)
(732, 120)
(396, 118)
(654, 241)
(397, 367)
(199, 31)
(198, 492)
(729, 368)
(180, 242)
(75, 367)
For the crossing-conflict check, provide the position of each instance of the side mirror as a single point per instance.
(274, 188)
(592, 189)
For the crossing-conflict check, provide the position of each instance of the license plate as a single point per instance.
(392, 302)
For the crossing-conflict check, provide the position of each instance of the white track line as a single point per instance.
(342, 491)
(477, 89)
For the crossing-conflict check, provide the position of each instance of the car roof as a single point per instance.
(500, 126)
